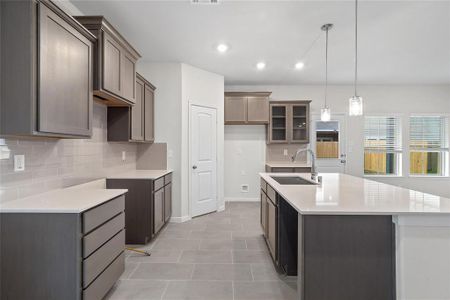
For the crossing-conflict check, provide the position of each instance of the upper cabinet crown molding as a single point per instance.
(40, 96)
(248, 94)
(246, 108)
(114, 63)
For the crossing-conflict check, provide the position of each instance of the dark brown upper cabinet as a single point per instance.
(246, 108)
(46, 72)
(135, 123)
(114, 63)
(289, 122)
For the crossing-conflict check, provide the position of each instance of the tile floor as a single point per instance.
(220, 256)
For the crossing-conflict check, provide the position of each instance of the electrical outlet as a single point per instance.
(244, 188)
(285, 152)
(19, 163)
(124, 155)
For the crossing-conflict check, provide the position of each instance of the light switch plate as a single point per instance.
(285, 152)
(19, 163)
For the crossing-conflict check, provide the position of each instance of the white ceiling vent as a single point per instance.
(205, 1)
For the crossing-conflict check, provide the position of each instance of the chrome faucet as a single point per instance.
(313, 161)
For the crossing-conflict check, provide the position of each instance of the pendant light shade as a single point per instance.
(325, 112)
(355, 103)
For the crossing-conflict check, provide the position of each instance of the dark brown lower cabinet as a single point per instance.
(167, 202)
(346, 257)
(270, 169)
(148, 206)
(68, 256)
(337, 257)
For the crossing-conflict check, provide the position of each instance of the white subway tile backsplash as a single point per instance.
(53, 163)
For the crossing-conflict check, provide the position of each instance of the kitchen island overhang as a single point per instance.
(357, 239)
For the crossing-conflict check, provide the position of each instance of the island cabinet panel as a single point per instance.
(54, 256)
(115, 63)
(45, 91)
(272, 229)
(246, 108)
(264, 213)
(347, 257)
(148, 206)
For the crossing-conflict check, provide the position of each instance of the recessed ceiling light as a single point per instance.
(261, 65)
(299, 65)
(222, 48)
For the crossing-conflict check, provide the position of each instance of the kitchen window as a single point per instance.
(428, 146)
(382, 146)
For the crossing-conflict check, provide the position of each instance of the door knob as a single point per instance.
(194, 167)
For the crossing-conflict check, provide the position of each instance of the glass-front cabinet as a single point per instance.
(289, 122)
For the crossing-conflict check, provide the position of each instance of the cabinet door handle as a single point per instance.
(194, 167)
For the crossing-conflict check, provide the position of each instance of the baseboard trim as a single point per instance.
(179, 219)
(221, 208)
(241, 199)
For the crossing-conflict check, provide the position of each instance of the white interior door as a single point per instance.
(328, 142)
(203, 144)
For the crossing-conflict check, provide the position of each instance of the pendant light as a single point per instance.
(355, 103)
(325, 113)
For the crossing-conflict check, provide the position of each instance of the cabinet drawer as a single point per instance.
(98, 237)
(99, 215)
(302, 170)
(106, 280)
(271, 194)
(168, 178)
(158, 183)
(97, 262)
(282, 170)
(263, 185)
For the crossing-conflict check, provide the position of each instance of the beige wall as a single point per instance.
(53, 163)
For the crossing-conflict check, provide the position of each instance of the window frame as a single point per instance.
(398, 153)
(445, 164)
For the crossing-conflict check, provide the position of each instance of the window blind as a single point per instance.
(428, 133)
(382, 133)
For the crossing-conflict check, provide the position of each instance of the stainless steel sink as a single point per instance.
(292, 180)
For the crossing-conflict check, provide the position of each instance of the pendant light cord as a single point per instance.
(356, 45)
(326, 66)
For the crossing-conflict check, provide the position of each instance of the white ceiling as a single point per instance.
(400, 42)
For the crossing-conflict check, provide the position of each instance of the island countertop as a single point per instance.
(342, 194)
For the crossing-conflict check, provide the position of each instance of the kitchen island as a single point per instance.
(353, 238)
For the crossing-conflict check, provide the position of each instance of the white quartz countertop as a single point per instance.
(287, 164)
(342, 194)
(141, 174)
(68, 200)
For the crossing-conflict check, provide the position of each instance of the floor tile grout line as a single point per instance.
(132, 272)
(165, 289)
